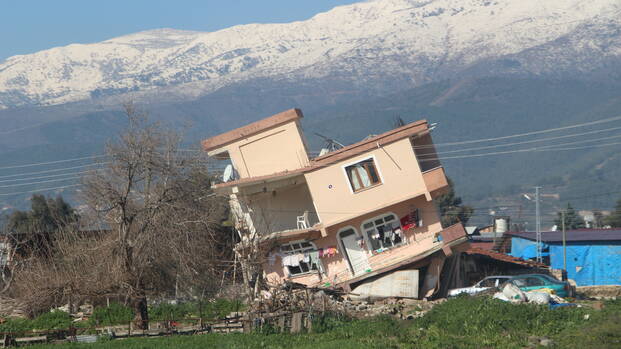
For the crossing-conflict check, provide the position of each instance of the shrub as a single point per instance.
(13, 325)
(165, 311)
(54, 320)
(114, 314)
(219, 308)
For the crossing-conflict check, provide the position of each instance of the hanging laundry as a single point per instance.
(291, 260)
(314, 259)
(330, 251)
(306, 257)
(327, 252)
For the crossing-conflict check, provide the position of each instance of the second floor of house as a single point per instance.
(280, 187)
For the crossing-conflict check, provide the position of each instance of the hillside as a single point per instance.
(370, 45)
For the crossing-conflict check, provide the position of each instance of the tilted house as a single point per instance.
(345, 217)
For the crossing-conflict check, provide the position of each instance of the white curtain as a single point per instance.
(364, 176)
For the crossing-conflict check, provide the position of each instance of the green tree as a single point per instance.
(451, 208)
(614, 220)
(572, 219)
(46, 215)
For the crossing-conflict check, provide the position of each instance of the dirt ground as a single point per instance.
(599, 292)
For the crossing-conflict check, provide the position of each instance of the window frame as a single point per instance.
(312, 247)
(367, 238)
(377, 170)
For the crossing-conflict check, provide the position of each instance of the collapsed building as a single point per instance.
(361, 217)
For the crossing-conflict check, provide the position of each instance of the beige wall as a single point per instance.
(277, 210)
(419, 240)
(274, 150)
(399, 171)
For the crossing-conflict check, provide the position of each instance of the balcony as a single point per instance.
(453, 233)
(435, 181)
(280, 237)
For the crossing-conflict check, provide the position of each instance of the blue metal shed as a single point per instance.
(593, 255)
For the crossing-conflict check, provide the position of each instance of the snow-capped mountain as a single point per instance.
(415, 41)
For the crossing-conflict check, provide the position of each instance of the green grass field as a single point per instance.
(463, 322)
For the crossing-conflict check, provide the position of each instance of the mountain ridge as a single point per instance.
(363, 43)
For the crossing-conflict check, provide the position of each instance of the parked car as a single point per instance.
(487, 283)
(530, 282)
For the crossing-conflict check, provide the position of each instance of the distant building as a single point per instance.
(590, 219)
(346, 216)
(593, 255)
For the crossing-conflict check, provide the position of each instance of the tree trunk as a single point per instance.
(141, 317)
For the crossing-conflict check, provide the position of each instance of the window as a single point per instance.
(533, 281)
(308, 261)
(488, 283)
(383, 232)
(362, 175)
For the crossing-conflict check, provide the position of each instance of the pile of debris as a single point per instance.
(402, 308)
(296, 297)
(512, 293)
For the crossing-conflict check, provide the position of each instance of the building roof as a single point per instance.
(503, 257)
(349, 151)
(251, 129)
(572, 235)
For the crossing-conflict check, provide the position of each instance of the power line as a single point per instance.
(39, 190)
(526, 142)
(524, 134)
(538, 149)
(53, 162)
(41, 182)
(43, 177)
(55, 170)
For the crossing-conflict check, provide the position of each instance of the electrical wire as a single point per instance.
(40, 190)
(526, 142)
(597, 122)
(53, 162)
(40, 182)
(55, 170)
(538, 149)
(43, 177)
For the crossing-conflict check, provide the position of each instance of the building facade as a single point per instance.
(342, 218)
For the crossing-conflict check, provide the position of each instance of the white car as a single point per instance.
(487, 283)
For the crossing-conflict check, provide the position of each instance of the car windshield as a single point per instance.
(489, 282)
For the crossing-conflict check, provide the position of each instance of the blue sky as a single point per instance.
(28, 26)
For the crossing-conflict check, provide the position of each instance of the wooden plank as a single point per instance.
(31, 339)
(296, 323)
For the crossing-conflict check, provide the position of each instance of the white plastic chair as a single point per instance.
(302, 221)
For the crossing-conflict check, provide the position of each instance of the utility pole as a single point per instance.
(538, 226)
(564, 245)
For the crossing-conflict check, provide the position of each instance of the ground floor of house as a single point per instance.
(404, 236)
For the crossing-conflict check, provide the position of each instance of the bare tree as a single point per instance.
(157, 202)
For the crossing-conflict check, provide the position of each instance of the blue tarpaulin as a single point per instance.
(594, 264)
(588, 262)
(523, 248)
